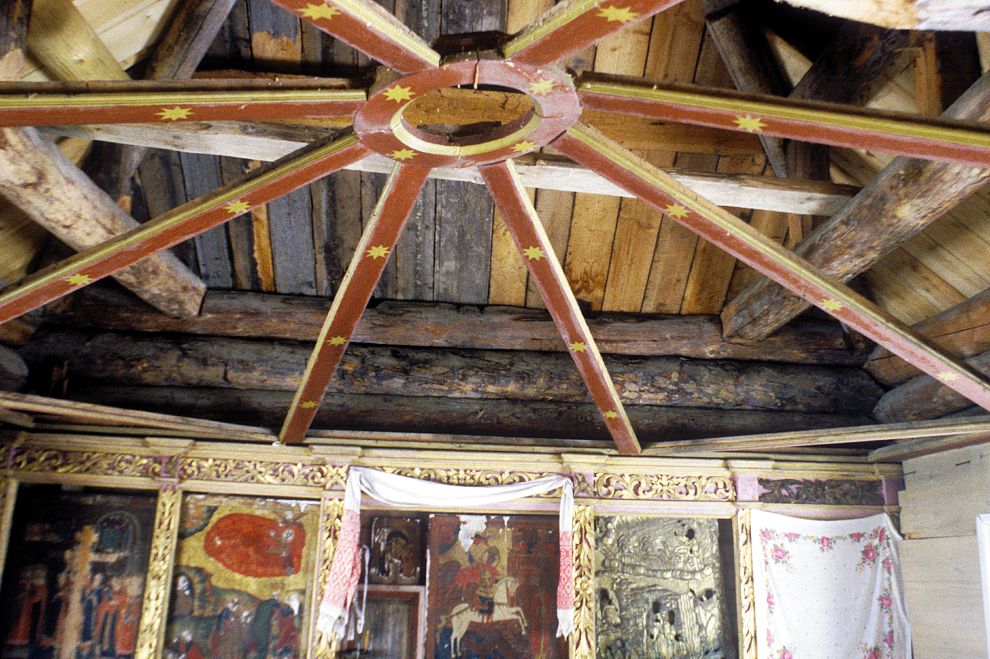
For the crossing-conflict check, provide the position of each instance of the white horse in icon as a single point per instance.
(462, 615)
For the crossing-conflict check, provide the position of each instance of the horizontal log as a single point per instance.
(455, 415)
(13, 370)
(961, 331)
(260, 315)
(267, 143)
(499, 374)
(964, 15)
(36, 177)
(924, 397)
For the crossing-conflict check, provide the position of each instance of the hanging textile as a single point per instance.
(404, 492)
(828, 589)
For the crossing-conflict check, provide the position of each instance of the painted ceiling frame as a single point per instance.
(524, 63)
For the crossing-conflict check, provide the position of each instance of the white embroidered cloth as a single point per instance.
(828, 589)
(405, 492)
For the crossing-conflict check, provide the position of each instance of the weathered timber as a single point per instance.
(907, 196)
(924, 397)
(13, 370)
(515, 375)
(64, 42)
(962, 331)
(94, 413)
(259, 315)
(16, 332)
(929, 446)
(259, 142)
(455, 415)
(967, 15)
(746, 54)
(14, 18)
(36, 177)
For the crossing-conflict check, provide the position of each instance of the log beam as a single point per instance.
(462, 416)
(36, 177)
(13, 370)
(902, 200)
(516, 375)
(924, 397)
(962, 331)
(296, 318)
(964, 15)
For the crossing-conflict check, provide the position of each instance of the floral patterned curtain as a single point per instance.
(828, 589)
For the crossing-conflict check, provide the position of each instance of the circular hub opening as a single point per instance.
(468, 112)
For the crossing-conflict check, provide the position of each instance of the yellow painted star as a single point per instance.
(403, 154)
(378, 252)
(308, 404)
(237, 207)
(676, 210)
(615, 14)
(318, 11)
(578, 346)
(398, 93)
(174, 114)
(525, 145)
(533, 253)
(337, 340)
(750, 124)
(948, 376)
(610, 414)
(541, 87)
(831, 305)
(78, 279)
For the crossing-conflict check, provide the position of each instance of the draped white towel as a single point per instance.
(828, 589)
(405, 492)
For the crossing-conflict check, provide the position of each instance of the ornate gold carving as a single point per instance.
(664, 487)
(267, 472)
(158, 582)
(8, 489)
(331, 512)
(90, 462)
(582, 641)
(747, 596)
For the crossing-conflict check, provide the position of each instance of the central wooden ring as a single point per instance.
(382, 126)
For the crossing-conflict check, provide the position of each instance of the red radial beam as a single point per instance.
(532, 241)
(195, 217)
(369, 28)
(617, 164)
(827, 123)
(363, 273)
(49, 104)
(573, 25)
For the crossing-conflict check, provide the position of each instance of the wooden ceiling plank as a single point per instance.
(294, 318)
(744, 242)
(892, 432)
(573, 25)
(370, 29)
(376, 245)
(746, 55)
(962, 330)
(125, 249)
(102, 413)
(919, 447)
(902, 200)
(532, 240)
(268, 143)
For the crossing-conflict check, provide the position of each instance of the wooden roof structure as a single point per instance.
(676, 182)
